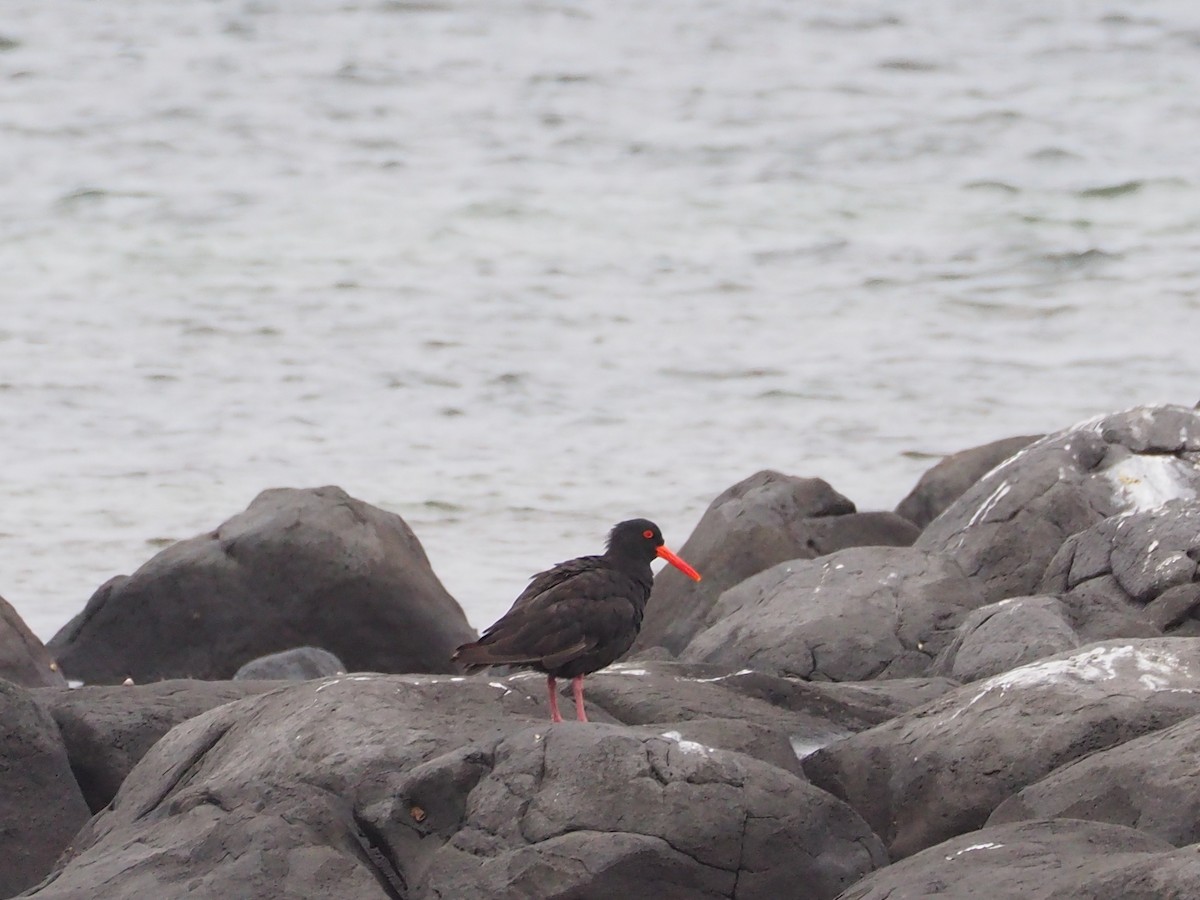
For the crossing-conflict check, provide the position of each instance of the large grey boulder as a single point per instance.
(1151, 783)
(297, 567)
(107, 729)
(862, 613)
(950, 478)
(597, 812)
(763, 520)
(1133, 574)
(41, 807)
(941, 769)
(24, 660)
(1006, 528)
(1004, 635)
(1026, 861)
(420, 787)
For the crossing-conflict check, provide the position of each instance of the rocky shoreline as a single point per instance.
(993, 690)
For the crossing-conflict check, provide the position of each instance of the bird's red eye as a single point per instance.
(647, 534)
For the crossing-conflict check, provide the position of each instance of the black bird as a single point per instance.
(579, 616)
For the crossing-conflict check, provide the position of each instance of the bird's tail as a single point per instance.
(479, 655)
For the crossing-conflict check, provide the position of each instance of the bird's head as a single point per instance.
(641, 540)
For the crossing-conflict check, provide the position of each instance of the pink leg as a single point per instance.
(555, 715)
(577, 690)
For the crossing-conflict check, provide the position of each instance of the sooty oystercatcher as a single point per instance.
(580, 615)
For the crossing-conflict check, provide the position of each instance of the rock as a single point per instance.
(297, 664)
(941, 769)
(1151, 783)
(859, 614)
(41, 807)
(598, 812)
(420, 787)
(751, 712)
(1133, 573)
(766, 519)
(107, 729)
(1156, 876)
(1027, 861)
(1004, 635)
(298, 566)
(23, 658)
(1004, 530)
(950, 478)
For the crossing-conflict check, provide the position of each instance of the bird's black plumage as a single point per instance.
(580, 615)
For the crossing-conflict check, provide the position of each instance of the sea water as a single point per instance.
(518, 270)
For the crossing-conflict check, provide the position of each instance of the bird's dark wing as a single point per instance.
(578, 610)
(545, 582)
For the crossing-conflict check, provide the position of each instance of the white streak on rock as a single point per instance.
(720, 677)
(988, 846)
(1142, 483)
(1155, 671)
(804, 748)
(624, 669)
(686, 746)
(339, 679)
(990, 503)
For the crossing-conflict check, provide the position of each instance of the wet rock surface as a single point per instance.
(41, 806)
(297, 567)
(340, 788)
(1004, 530)
(941, 769)
(763, 520)
(950, 478)
(1043, 859)
(24, 660)
(862, 613)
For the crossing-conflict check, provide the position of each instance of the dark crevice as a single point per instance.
(378, 856)
(185, 772)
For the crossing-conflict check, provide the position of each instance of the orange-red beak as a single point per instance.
(678, 563)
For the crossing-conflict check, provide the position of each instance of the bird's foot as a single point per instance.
(555, 715)
(577, 690)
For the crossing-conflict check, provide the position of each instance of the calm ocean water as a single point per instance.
(518, 270)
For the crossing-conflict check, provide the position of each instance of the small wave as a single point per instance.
(1008, 310)
(909, 65)
(998, 186)
(1078, 259)
(723, 375)
(1113, 190)
(1053, 154)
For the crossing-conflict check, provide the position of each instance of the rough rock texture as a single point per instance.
(369, 786)
(1159, 876)
(1006, 528)
(297, 664)
(40, 804)
(941, 769)
(867, 612)
(751, 712)
(297, 567)
(1151, 783)
(1136, 572)
(23, 658)
(766, 519)
(950, 478)
(108, 729)
(1004, 635)
(1028, 861)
